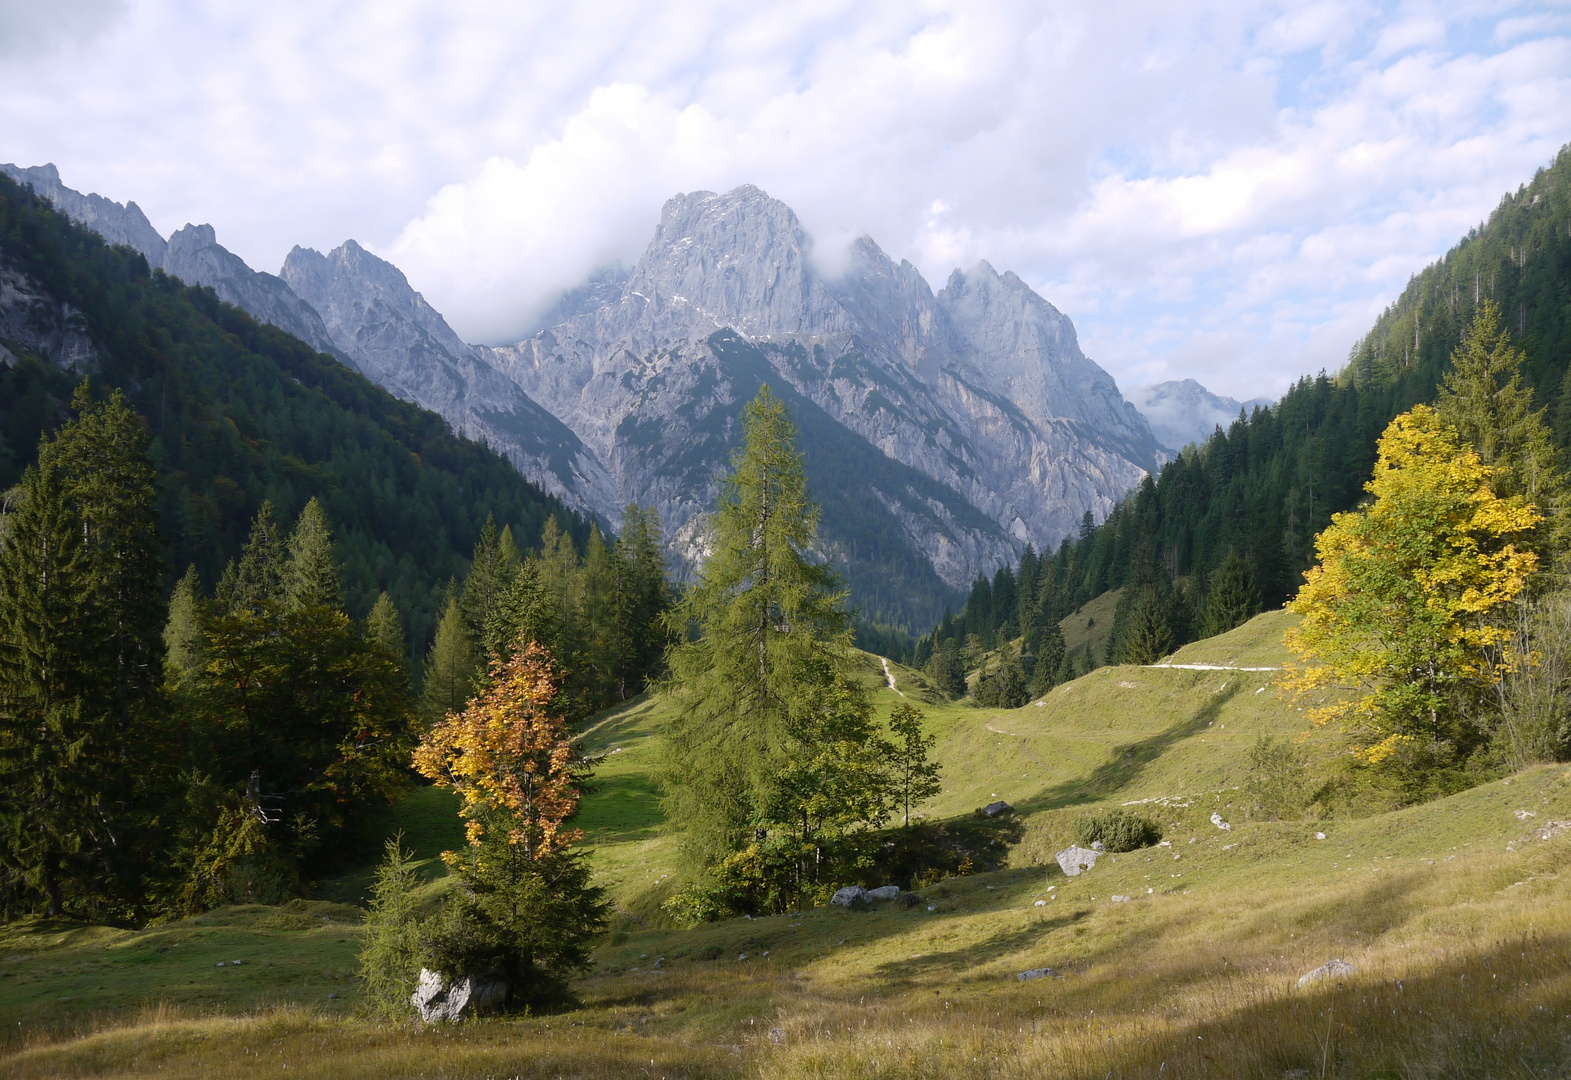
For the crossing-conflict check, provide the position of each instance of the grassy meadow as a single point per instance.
(1455, 912)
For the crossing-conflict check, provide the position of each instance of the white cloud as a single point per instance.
(1223, 191)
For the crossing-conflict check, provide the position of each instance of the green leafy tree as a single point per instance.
(915, 777)
(1232, 599)
(773, 643)
(1402, 613)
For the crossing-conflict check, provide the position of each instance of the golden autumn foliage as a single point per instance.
(509, 757)
(1398, 617)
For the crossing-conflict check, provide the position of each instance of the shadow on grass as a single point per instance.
(1128, 760)
(977, 953)
(622, 808)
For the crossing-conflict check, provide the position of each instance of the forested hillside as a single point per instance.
(1265, 487)
(241, 413)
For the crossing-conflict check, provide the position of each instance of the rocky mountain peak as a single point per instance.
(741, 260)
(116, 223)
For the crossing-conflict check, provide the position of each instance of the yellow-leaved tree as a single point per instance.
(524, 909)
(1402, 619)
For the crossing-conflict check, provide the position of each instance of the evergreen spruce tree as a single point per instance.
(184, 652)
(111, 485)
(451, 667)
(81, 663)
(1146, 638)
(602, 646)
(49, 793)
(1486, 401)
(257, 579)
(384, 629)
(774, 637)
(490, 577)
(1049, 660)
(1233, 599)
(640, 599)
(310, 575)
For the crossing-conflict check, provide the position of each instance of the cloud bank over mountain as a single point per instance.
(1228, 192)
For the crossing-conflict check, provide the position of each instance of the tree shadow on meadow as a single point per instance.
(1128, 760)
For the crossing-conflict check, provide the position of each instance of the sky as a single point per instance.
(1229, 192)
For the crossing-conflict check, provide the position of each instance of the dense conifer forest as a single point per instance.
(240, 413)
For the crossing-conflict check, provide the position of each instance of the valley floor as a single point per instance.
(1456, 914)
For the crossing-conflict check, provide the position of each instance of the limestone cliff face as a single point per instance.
(982, 389)
(32, 321)
(398, 340)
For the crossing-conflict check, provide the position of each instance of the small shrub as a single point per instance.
(1119, 830)
(1277, 785)
(390, 953)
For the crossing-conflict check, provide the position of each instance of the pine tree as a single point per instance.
(1486, 401)
(310, 576)
(1049, 659)
(81, 662)
(1232, 600)
(1146, 639)
(641, 597)
(111, 484)
(600, 587)
(384, 629)
(390, 942)
(49, 795)
(774, 636)
(491, 574)
(185, 655)
(257, 579)
(451, 667)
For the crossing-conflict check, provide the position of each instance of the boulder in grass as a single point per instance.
(1037, 973)
(467, 997)
(849, 895)
(886, 892)
(994, 809)
(1336, 969)
(1073, 859)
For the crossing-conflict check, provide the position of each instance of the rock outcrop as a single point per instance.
(32, 321)
(1073, 860)
(468, 996)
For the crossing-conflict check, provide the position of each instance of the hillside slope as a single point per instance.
(241, 412)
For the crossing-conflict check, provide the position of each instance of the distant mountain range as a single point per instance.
(1185, 412)
(942, 432)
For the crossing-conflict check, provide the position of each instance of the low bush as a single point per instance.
(1118, 830)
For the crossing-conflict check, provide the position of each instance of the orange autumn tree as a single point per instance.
(525, 909)
(509, 758)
